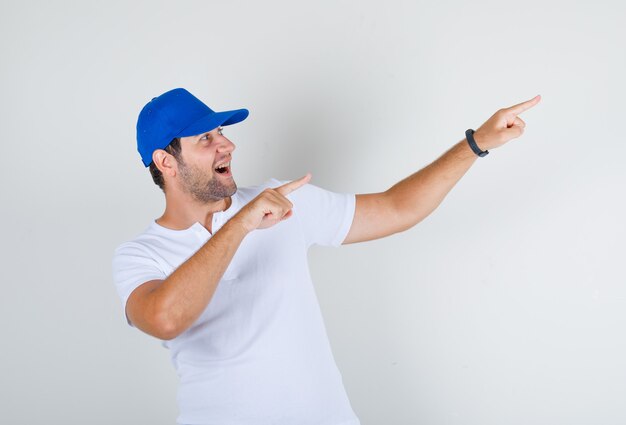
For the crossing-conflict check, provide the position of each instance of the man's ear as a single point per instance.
(165, 162)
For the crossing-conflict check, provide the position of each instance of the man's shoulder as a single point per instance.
(247, 193)
(137, 243)
(269, 182)
(309, 192)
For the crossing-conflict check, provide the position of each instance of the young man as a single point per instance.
(222, 276)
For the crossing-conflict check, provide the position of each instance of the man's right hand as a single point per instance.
(270, 206)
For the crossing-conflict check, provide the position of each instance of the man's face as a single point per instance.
(200, 156)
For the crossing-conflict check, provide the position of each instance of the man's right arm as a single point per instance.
(166, 308)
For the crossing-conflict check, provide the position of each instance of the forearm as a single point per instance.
(416, 196)
(184, 295)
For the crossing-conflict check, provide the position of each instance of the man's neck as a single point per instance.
(180, 215)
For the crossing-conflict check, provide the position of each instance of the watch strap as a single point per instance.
(469, 135)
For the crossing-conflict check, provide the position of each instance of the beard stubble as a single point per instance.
(202, 186)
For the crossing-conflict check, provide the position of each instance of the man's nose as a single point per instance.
(225, 145)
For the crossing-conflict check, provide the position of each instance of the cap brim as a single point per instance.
(212, 121)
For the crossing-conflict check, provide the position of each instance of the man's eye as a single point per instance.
(220, 131)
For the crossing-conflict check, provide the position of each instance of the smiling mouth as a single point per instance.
(223, 170)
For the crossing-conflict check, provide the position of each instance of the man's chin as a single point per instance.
(233, 188)
(229, 190)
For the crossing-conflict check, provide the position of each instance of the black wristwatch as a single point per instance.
(469, 135)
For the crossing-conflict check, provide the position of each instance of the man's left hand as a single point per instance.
(503, 126)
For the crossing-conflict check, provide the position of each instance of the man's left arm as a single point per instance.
(412, 199)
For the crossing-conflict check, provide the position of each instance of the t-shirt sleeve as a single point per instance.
(133, 266)
(325, 216)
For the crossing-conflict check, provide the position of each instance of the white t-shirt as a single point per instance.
(259, 353)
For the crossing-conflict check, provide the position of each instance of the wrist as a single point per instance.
(238, 224)
(473, 143)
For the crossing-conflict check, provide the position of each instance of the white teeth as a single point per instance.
(223, 165)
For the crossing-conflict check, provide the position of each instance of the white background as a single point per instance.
(506, 306)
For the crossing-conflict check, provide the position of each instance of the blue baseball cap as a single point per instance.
(177, 113)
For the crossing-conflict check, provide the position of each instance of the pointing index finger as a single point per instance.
(521, 107)
(287, 188)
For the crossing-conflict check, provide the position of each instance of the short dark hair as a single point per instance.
(175, 150)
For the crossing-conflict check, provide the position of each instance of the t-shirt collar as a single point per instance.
(219, 218)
